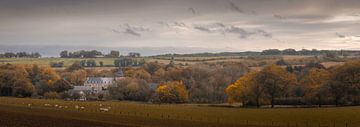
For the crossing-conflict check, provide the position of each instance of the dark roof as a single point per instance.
(119, 73)
(99, 80)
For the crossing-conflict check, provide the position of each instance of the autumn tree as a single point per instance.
(346, 80)
(275, 81)
(75, 66)
(240, 90)
(138, 74)
(48, 77)
(197, 79)
(159, 75)
(151, 67)
(172, 92)
(51, 95)
(77, 77)
(314, 84)
(14, 81)
(221, 76)
(130, 89)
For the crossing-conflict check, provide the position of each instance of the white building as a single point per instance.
(96, 85)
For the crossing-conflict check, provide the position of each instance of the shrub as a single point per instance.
(51, 95)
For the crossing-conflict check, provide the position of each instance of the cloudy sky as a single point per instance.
(226, 25)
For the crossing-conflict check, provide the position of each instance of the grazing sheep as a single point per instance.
(56, 105)
(60, 106)
(77, 107)
(65, 106)
(104, 109)
(29, 105)
(82, 108)
(47, 105)
(100, 105)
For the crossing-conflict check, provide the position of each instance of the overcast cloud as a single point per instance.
(229, 25)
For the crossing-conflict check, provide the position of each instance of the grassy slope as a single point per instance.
(139, 114)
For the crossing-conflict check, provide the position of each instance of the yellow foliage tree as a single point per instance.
(239, 91)
(172, 92)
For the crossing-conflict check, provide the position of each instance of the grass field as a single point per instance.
(47, 61)
(144, 114)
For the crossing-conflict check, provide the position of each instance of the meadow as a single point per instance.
(122, 113)
(47, 61)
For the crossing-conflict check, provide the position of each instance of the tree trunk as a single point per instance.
(257, 102)
(336, 101)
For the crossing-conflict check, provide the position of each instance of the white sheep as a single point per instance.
(29, 105)
(104, 109)
(47, 105)
(77, 107)
(82, 108)
(56, 105)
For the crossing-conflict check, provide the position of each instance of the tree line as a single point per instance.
(232, 82)
(312, 84)
(20, 55)
(289, 51)
(309, 85)
(119, 62)
(94, 54)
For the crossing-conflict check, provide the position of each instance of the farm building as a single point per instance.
(97, 85)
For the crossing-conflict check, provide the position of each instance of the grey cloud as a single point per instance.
(220, 24)
(164, 23)
(180, 24)
(279, 16)
(235, 7)
(231, 29)
(69, 21)
(135, 28)
(192, 10)
(201, 28)
(339, 35)
(174, 26)
(115, 31)
(236, 30)
(132, 32)
(264, 33)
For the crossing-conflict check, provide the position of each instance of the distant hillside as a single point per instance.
(313, 52)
